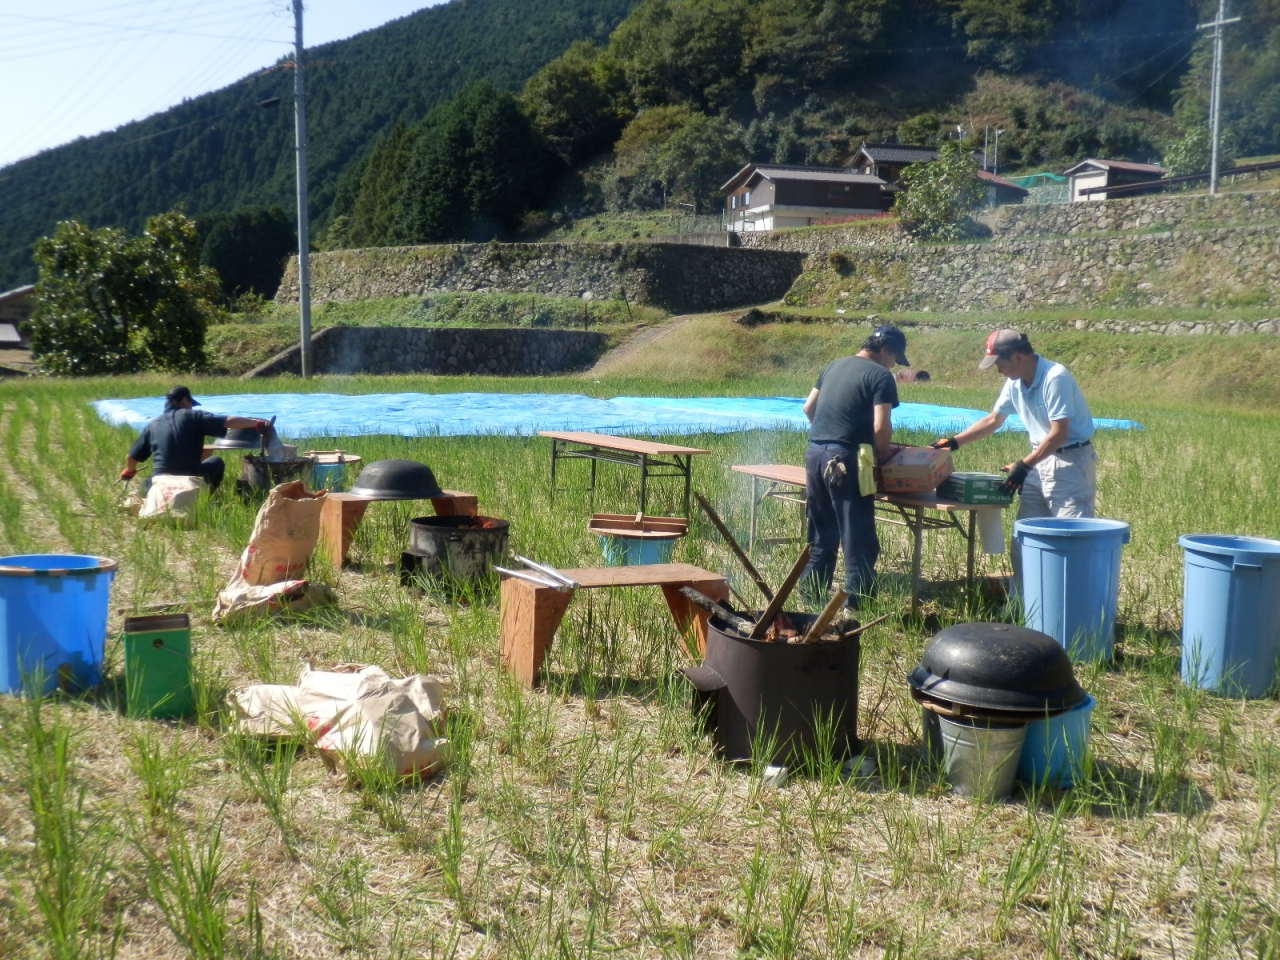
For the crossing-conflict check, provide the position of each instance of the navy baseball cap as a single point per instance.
(177, 395)
(894, 339)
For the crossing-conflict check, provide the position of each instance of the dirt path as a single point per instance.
(616, 359)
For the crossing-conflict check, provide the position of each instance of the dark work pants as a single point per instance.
(839, 518)
(212, 470)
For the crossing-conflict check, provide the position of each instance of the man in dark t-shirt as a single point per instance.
(174, 441)
(849, 407)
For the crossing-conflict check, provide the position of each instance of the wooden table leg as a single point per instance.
(686, 614)
(529, 617)
(340, 514)
(917, 541)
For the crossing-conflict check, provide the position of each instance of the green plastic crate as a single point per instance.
(157, 666)
(974, 488)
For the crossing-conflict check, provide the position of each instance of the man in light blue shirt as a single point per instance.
(1058, 478)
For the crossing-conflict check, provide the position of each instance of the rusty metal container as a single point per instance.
(464, 548)
(789, 699)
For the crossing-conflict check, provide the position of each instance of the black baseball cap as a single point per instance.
(177, 395)
(894, 339)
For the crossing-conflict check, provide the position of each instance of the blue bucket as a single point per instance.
(1055, 749)
(622, 551)
(53, 619)
(1071, 579)
(329, 476)
(1230, 613)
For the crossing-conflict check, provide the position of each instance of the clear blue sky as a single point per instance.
(73, 68)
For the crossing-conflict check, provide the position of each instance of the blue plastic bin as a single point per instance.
(1230, 613)
(1055, 749)
(1070, 580)
(629, 551)
(329, 476)
(53, 619)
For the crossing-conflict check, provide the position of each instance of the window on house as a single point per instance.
(746, 199)
(733, 202)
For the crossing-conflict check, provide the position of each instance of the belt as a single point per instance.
(1075, 446)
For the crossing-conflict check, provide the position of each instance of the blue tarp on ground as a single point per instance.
(303, 415)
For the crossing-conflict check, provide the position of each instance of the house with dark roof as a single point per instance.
(16, 305)
(1095, 173)
(773, 196)
(998, 191)
(888, 160)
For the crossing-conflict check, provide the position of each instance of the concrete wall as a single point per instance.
(675, 277)
(386, 350)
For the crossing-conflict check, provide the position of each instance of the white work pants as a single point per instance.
(1063, 485)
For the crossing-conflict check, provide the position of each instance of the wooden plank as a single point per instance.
(454, 503)
(622, 444)
(777, 472)
(931, 501)
(641, 575)
(784, 592)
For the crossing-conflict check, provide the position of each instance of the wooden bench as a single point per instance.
(652, 459)
(341, 514)
(530, 613)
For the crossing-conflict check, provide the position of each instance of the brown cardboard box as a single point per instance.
(913, 470)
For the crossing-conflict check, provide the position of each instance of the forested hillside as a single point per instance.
(686, 91)
(222, 151)
(497, 118)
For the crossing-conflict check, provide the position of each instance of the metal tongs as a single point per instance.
(543, 575)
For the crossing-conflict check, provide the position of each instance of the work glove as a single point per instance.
(262, 426)
(835, 472)
(1017, 476)
(126, 474)
(946, 443)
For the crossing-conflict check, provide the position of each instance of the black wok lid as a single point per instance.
(396, 480)
(244, 438)
(997, 666)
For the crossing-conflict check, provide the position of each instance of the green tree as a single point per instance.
(248, 248)
(698, 157)
(577, 102)
(107, 302)
(377, 196)
(940, 194)
(477, 165)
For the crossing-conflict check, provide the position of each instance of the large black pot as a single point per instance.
(246, 438)
(396, 480)
(263, 473)
(997, 667)
(464, 548)
(792, 697)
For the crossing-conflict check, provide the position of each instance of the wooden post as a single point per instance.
(688, 615)
(340, 514)
(529, 618)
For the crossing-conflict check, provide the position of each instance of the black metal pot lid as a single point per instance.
(396, 480)
(242, 438)
(997, 666)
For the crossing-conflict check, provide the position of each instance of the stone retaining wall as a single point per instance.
(1178, 268)
(675, 277)
(1152, 213)
(385, 350)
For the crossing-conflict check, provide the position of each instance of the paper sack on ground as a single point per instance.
(354, 712)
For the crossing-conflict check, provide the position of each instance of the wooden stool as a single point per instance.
(341, 513)
(530, 613)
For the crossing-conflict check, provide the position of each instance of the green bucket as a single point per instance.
(157, 666)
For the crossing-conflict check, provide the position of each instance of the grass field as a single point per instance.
(590, 817)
